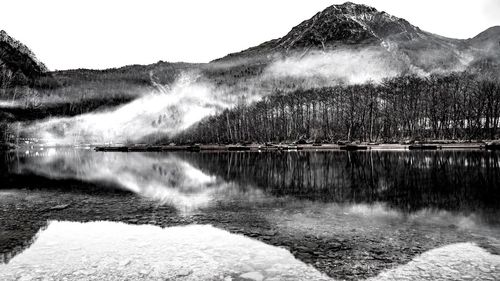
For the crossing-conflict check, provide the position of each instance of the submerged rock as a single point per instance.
(59, 207)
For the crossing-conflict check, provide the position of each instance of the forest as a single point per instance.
(78, 91)
(458, 106)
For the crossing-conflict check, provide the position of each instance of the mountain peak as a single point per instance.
(351, 26)
(379, 23)
(346, 24)
(16, 57)
(352, 8)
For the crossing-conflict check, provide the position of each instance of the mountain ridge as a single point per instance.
(17, 60)
(353, 26)
(342, 26)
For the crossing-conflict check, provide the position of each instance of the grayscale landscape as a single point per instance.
(357, 146)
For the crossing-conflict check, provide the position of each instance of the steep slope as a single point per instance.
(353, 26)
(487, 40)
(485, 48)
(18, 64)
(346, 24)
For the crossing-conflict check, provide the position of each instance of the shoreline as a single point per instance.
(292, 147)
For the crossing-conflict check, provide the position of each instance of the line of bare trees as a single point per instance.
(460, 106)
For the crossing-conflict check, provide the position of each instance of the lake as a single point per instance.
(295, 215)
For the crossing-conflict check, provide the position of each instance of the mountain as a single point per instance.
(487, 40)
(18, 64)
(486, 49)
(346, 24)
(355, 26)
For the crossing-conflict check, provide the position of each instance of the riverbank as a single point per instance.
(284, 147)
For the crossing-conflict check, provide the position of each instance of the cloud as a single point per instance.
(340, 66)
(187, 102)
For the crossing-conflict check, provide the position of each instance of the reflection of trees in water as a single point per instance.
(102, 168)
(408, 181)
(451, 180)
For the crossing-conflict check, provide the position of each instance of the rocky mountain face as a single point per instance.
(340, 25)
(354, 26)
(18, 64)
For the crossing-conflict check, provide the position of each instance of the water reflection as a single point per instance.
(165, 178)
(465, 181)
(106, 250)
(461, 261)
(408, 181)
(378, 221)
(333, 210)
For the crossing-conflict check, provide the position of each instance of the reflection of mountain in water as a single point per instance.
(288, 193)
(97, 250)
(69, 250)
(450, 180)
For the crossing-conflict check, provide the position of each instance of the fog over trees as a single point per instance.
(459, 106)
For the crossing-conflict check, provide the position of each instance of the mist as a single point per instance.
(170, 109)
(8, 103)
(337, 67)
(165, 179)
(166, 111)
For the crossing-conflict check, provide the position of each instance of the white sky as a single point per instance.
(110, 33)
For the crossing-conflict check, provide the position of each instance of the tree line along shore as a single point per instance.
(460, 107)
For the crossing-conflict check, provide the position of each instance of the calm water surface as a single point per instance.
(305, 215)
